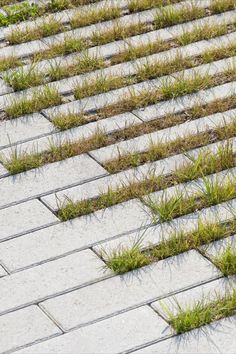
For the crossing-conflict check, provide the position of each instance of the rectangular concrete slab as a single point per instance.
(24, 128)
(217, 248)
(72, 235)
(50, 177)
(49, 279)
(25, 327)
(129, 290)
(114, 335)
(23, 218)
(215, 338)
(4, 88)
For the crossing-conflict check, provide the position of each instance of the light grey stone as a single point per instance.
(4, 88)
(3, 171)
(215, 338)
(186, 300)
(24, 128)
(48, 178)
(24, 327)
(72, 235)
(216, 248)
(23, 218)
(24, 49)
(2, 272)
(35, 284)
(117, 334)
(132, 289)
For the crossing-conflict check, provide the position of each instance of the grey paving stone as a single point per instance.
(3, 171)
(48, 178)
(4, 88)
(72, 235)
(2, 272)
(215, 338)
(24, 49)
(24, 128)
(206, 294)
(49, 279)
(132, 289)
(215, 249)
(107, 126)
(24, 327)
(23, 218)
(114, 335)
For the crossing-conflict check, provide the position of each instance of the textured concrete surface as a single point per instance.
(56, 293)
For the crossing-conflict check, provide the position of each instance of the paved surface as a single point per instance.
(56, 295)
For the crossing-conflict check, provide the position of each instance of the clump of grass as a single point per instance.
(124, 259)
(47, 28)
(88, 17)
(140, 5)
(203, 312)
(21, 79)
(169, 89)
(168, 208)
(224, 158)
(218, 53)
(18, 163)
(170, 16)
(226, 261)
(101, 84)
(58, 5)
(40, 99)
(9, 62)
(202, 32)
(134, 52)
(164, 67)
(83, 64)
(117, 32)
(66, 46)
(19, 12)
(181, 145)
(69, 120)
(219, 6)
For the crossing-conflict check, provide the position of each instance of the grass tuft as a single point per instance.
(226, 261)
(40, 99)
(204, 312)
